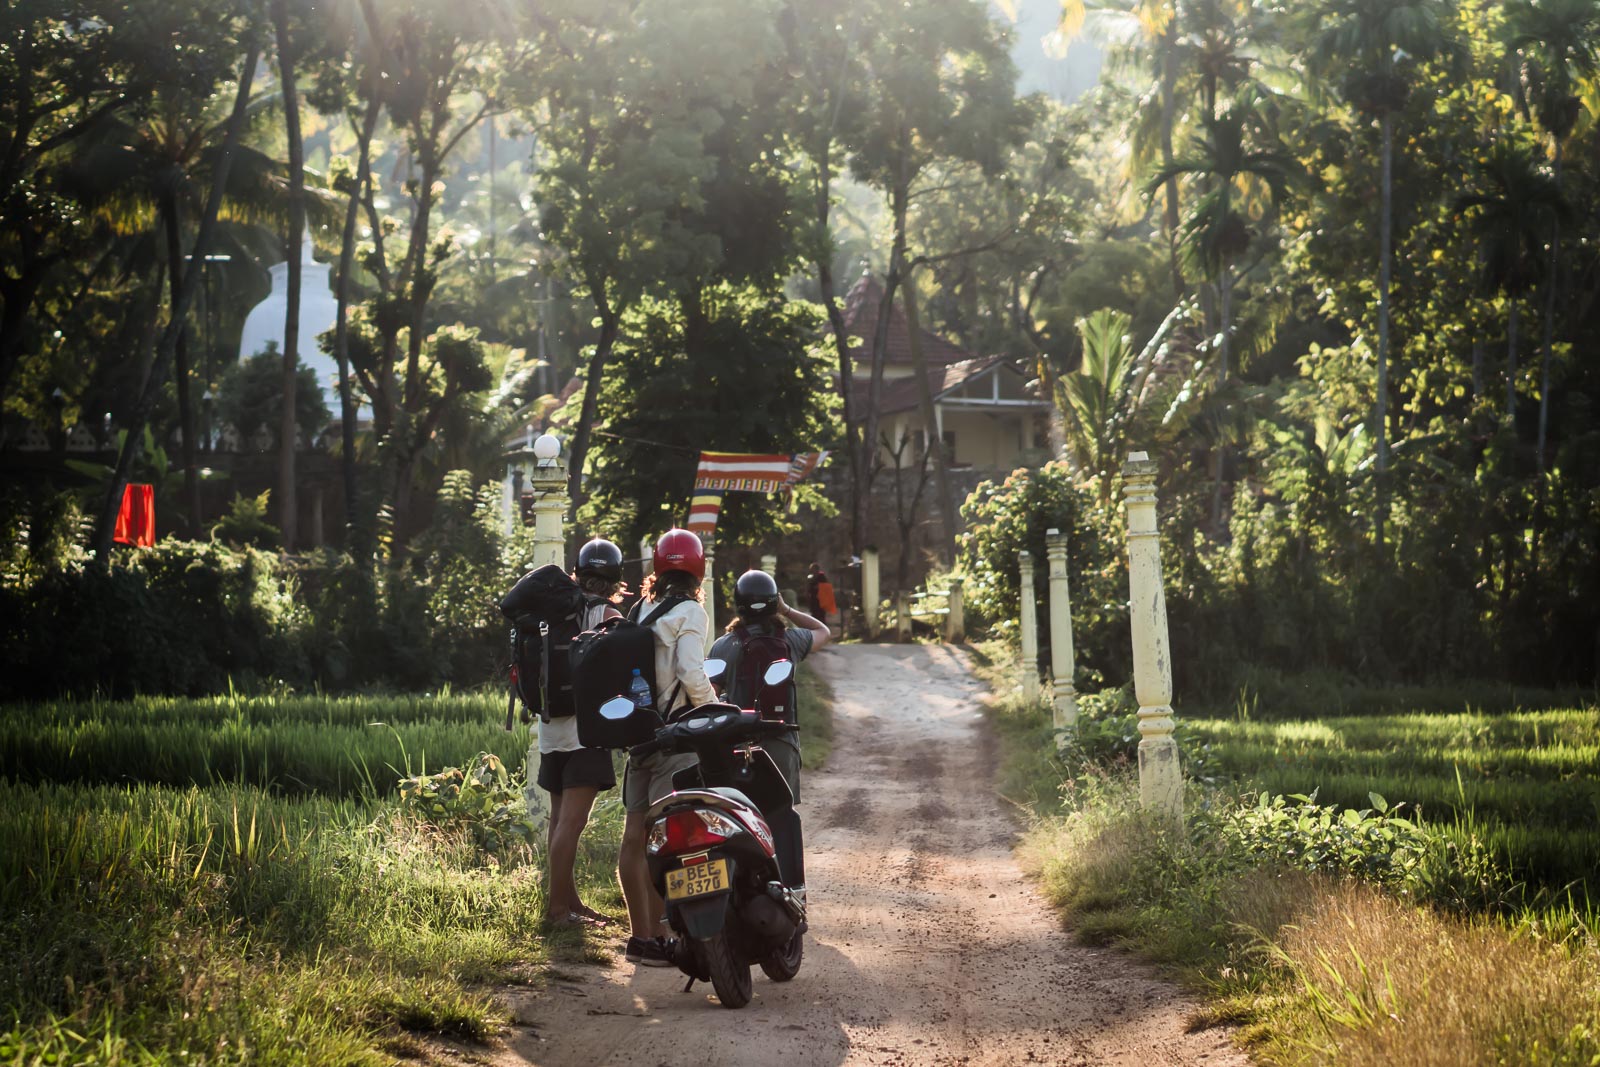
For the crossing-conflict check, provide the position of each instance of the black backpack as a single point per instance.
(546, 611)
(601, 666)
(758, 650)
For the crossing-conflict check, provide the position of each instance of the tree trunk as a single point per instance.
(579, 450)
(341, 329)
(1551, 288)
(880, 348)
(841, 342)
(105, 524)
(930, 422)
(191, 477)
(1511, 366)
(288, 433)
(1385, 269)
(1220, 459)
(1169, 103)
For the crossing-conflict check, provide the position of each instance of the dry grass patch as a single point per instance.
(1389, 983)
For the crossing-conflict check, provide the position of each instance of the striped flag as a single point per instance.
(742, 471)
(704, 508)
(804, 463)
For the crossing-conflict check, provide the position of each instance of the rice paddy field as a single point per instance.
(1525, 783)
(234, 880)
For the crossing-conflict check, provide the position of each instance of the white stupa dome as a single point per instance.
(319, 310)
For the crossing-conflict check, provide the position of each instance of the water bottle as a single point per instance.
(639, 691)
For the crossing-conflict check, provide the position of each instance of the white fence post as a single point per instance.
(955, 619)
(869, 590)
(647, 555)
(1063, 662)
(1030, 628)
(1160, 777)
(769, 563)
(902, 616)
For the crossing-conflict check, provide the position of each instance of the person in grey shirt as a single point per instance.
(768, 629)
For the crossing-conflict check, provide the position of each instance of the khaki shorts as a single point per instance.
(646, 781)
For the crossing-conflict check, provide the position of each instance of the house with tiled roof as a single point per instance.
(985, 409)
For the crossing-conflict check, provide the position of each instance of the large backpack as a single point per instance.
(758, 650)
(602, 661)
(546, 611)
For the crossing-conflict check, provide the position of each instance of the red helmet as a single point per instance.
(680, 550)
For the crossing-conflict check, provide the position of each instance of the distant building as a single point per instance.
(984, 411)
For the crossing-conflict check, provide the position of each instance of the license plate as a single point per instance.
(708, 877)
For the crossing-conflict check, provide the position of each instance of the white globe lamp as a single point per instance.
(546, 448)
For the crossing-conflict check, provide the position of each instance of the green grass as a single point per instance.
(1525, 783)
(343, 746)
(230, 880)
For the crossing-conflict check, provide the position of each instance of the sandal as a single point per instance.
(572, 919)
(592, 915)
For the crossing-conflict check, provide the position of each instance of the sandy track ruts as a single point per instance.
(927, 945)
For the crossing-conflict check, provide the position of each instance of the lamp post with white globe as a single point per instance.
(549, 501)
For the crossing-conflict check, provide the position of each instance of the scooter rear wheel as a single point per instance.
(782, 964)
(729, 977)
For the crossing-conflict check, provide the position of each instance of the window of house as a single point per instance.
(949, 439)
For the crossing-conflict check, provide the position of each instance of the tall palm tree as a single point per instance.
(1216, 234)
(1559, 42)
(1367, 47)
(148, 173)
(1509, 214)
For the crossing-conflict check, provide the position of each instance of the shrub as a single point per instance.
(480, 798)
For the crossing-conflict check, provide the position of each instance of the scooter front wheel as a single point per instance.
(729, 977)
(782, 964)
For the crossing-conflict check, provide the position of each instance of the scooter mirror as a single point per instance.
(777, 672)
(616, 708)
(715, 667)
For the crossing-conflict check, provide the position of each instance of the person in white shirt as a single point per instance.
(679, 565)
(572, 774)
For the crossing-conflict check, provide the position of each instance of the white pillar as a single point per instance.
(1063, 664)
(508, 499)
(955, 620)
(1030, 628)
(869, 590)
(708, 586)
(647, 555)
(1160, 778)
(902, 617)
(769, 563)
(549, 508)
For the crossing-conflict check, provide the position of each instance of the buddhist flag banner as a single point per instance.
(804, 463)
(136, 518)
(704, 508)
(742, 471)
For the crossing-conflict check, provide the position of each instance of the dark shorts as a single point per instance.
(581, 767)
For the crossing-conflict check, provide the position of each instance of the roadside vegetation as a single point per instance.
(278, 879)
(1402, 888)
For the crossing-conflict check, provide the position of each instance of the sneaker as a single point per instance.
(649, 951)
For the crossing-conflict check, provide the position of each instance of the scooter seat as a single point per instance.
(716, 796)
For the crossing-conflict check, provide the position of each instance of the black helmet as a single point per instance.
(756, 595)
(600, 559)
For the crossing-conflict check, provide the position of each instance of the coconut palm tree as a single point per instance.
(1216, 234)
(148, 173)
(1559, 44)
(1513, 208)
(1366, 47)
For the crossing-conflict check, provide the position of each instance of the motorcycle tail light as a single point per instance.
(685, 831)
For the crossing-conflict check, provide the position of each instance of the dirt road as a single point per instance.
(927, 946)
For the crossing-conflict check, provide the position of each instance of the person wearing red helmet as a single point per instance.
(680, 643)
